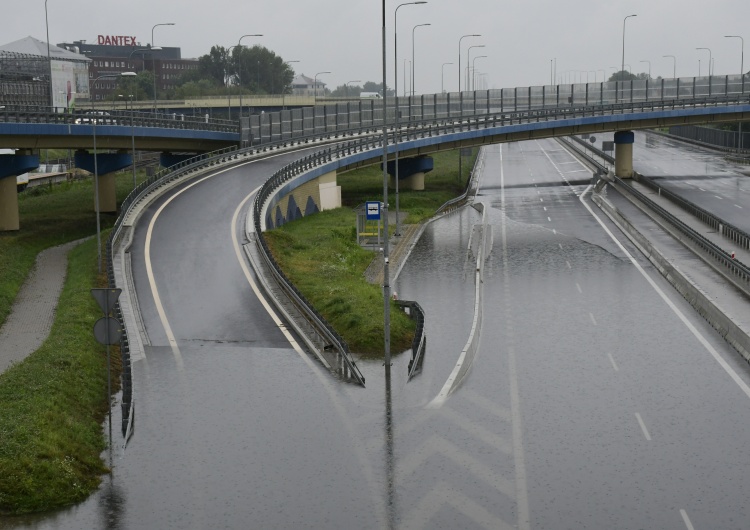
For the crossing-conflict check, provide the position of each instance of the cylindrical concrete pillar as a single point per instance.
(624, 154)
(107, 194)
(9, 205)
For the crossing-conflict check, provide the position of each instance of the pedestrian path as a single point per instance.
(33, 311)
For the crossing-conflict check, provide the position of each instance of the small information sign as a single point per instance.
(373, 210)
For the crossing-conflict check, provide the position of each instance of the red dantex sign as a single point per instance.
(116, 40)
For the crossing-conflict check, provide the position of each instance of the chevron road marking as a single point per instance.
(443, 495)
(437, 446)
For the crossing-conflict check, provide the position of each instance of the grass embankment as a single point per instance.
(52, 404)
(321, 257)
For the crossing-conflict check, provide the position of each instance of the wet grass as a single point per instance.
(50, 216)
(53, 403)
(320, 254)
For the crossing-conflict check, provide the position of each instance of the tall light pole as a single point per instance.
(742, 57)
(742, 75)
(468, 52)
(396, 132)
(709, 62)
(474, 70)
(153, 58)
(239, 65)
(49, 58)
(649, 66)
(459, 57)
(622, 70)
(386, 257)
(346, 86)
(674, 65)
(442, 78)
(413, 61)
(315, 85)
(94, 119)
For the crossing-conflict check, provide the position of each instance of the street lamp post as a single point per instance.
(153, 59)
(396, 131)
(386, 272)
(742, 76)
(346, 86)
(315, 85)
(49, 58)
(413, 61)
(674, 65)
(709, 63)
(622, 70)
(239, 65)
(649, 66)
(229, 91)
(474, 70)
(442, 78)
(468, 52)
(96, 172)
(459, 57)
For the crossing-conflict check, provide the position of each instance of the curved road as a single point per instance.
(597, 399)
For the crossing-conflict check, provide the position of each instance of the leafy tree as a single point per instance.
(140, 86)
(343, 91)
(259, 70)
(624, 75)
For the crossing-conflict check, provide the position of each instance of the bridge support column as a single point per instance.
(10, 167)
(624, 154)
(411, 172)
(107, 164)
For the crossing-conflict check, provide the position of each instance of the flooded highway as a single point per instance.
(592, 400)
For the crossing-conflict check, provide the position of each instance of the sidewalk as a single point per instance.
(33, 311)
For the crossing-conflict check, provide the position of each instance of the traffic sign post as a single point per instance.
(107, 330)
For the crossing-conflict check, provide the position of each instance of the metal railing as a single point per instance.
(724, 228)
(102, 117)
(738, 272)
(419, 342)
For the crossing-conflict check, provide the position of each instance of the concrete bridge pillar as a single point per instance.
(107, 164)
(411, 172)
(10, 167)
(624, 154)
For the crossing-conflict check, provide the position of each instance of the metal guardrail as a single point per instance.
(125, 118)
(733, 268)
(724, 228)
(419, 342)
(736, 269)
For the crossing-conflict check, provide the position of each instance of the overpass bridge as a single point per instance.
(429, 123)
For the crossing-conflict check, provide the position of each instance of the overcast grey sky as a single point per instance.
(344, 36)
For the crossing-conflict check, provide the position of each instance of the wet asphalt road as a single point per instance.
(590, 404)
(700, 175)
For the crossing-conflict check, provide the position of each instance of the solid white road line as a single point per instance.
(738, 206)
(612, 360)
(697, 334)
(686, 520)
(578, 286)
(643, 426)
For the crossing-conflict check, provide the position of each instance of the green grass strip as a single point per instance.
(320, 254)
(53, 403)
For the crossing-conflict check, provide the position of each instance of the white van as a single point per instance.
(370, 95)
